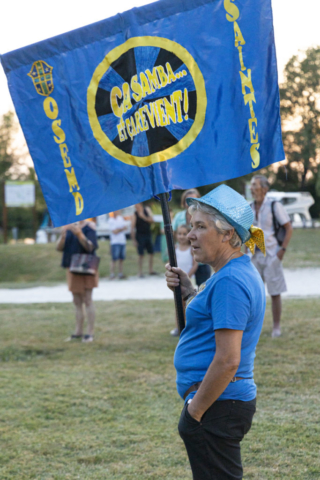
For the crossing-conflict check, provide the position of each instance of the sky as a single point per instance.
(24, 22)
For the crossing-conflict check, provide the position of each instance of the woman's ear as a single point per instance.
(228, 235)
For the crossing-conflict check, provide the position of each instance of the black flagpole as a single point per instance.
(172, 258)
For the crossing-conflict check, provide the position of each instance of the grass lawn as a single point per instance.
(108, 410)
(31, 265)
(304, 249)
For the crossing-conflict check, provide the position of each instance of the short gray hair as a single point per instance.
(264, 182)
(220, 223)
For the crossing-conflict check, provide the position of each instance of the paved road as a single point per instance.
(301, 282)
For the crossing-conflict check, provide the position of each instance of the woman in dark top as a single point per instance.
(80, 238)
(141, 235)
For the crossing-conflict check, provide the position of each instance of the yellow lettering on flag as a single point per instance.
(145, 85)
(78, 200)
(126, 98)
(171, 75)
(171, 113)
(71, 177)
(136, 88)
(64, 150)
(233, 14)
(252, 128)
(233, 11)
(50, 108)
(115, 94)
(153, 79)
(255, 155)
(162, 75)
(60, 135)
(176, 98)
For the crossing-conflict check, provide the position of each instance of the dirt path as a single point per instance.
(301, 282)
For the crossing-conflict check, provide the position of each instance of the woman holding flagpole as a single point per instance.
(215, 354)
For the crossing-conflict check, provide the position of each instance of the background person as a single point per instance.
(164, 246)
(270, 266)
(185, 260)
(141, 236)
(118, 226)
(215, 354)
(80, 238)
(183, 218)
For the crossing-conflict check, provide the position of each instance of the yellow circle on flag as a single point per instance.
(146, 101)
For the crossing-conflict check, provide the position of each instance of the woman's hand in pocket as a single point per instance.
(280, 254)
(194, 414)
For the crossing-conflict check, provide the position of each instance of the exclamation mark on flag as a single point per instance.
(186, 104)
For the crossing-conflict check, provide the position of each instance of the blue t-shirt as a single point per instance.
(232, 298)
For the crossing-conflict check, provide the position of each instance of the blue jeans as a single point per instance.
(118, 252)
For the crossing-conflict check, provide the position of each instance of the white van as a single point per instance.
(297, 205)
(103, 230)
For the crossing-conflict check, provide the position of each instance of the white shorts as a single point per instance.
(271, 271)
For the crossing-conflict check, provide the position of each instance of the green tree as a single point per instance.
(13, 150)
(300, 111)
(13, 166)
(7, 154)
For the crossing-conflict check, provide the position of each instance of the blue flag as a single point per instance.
(172, 95)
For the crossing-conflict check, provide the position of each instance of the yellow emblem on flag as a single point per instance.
(41, 74)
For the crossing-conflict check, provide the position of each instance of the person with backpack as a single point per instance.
(272, 218)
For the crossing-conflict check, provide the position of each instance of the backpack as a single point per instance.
(279, 230)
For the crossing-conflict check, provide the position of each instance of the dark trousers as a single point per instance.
(213, 445)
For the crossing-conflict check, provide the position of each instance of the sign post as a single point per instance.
(18, 194)
(4, 215)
